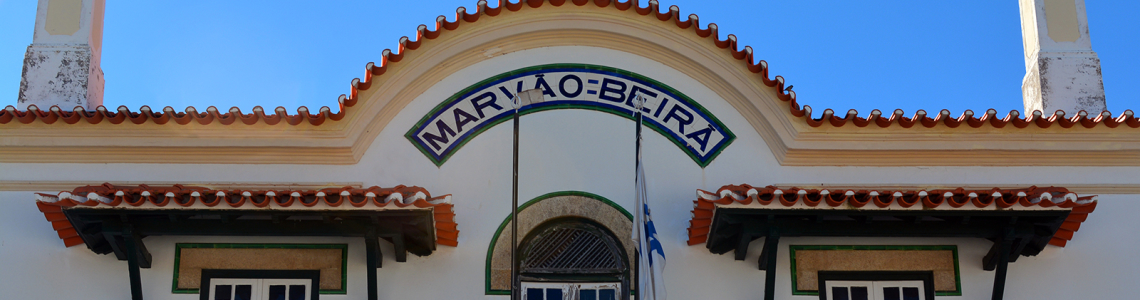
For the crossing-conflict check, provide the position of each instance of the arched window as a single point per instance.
(573, 258)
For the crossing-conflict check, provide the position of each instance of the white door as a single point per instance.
(570, 290)
(259, 289)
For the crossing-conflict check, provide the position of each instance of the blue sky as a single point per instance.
(863, 55)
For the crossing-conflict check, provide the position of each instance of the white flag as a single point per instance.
(651, 257)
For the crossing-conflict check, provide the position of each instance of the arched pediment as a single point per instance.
(321, 136)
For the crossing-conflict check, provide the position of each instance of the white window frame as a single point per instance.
(260, 287)
(875, 281)
(879, 285)
(260, 282)
(875, 288)
(233, 283)
(569, 289)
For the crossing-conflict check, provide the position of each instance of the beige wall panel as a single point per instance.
(810, 262)
(1061, 19)
(193, 260)
(63, 16)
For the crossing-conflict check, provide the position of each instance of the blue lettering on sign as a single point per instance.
(570, 86)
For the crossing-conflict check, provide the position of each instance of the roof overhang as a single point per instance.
(1040, 216)
(115, 219)
(102, 217)
(1020, 222)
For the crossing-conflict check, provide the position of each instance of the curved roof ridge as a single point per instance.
(673, 14)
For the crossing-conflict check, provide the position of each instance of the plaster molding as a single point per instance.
(791, 140)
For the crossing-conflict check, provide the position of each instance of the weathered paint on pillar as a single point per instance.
(61, 66)
(1061, 70)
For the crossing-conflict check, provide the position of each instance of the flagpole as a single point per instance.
(648, 270)
(515, 206)
(532, 96)
(640, 207)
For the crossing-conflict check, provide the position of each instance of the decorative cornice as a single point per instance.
(676, 41)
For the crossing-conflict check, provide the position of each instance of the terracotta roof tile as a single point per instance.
(958, 199)
(967, 118)
(183, 197)
(672, 15)
(168, 115)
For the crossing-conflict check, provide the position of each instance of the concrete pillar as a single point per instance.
(1061, 70)
(61, 66)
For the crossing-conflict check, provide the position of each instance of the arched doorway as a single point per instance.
(573, 258)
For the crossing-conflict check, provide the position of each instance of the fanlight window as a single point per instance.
(566, 255)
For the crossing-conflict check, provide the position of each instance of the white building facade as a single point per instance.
(751, 196)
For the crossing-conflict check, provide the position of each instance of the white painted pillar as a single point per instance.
(61, 66)
(1061, 70)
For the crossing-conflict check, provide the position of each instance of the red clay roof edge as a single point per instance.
(770, 196)
(673, 15)
(108, 195)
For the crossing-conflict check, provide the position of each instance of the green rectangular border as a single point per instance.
(343, 260)
(953, 248)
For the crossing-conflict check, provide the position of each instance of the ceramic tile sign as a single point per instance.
(464, 115)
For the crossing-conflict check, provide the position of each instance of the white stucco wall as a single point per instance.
(564, 150)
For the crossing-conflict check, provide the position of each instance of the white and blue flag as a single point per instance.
(651, 256)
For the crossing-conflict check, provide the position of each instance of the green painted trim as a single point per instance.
(728, 135)
(343, 260)
(524, 206)
(953, 248)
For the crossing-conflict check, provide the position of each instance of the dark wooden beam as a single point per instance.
(115, 241)
(255, 228)
(133, 263)
(102, 229)
(742, 246)
(372, 249)
(1033, 226)
(141, 254)
(746, 237)
(990, 261)
(1002, 264)
(762, 262)
(117, 237)
(1018, 246)
(771, 245)
(399, 248)
(1017, 237)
